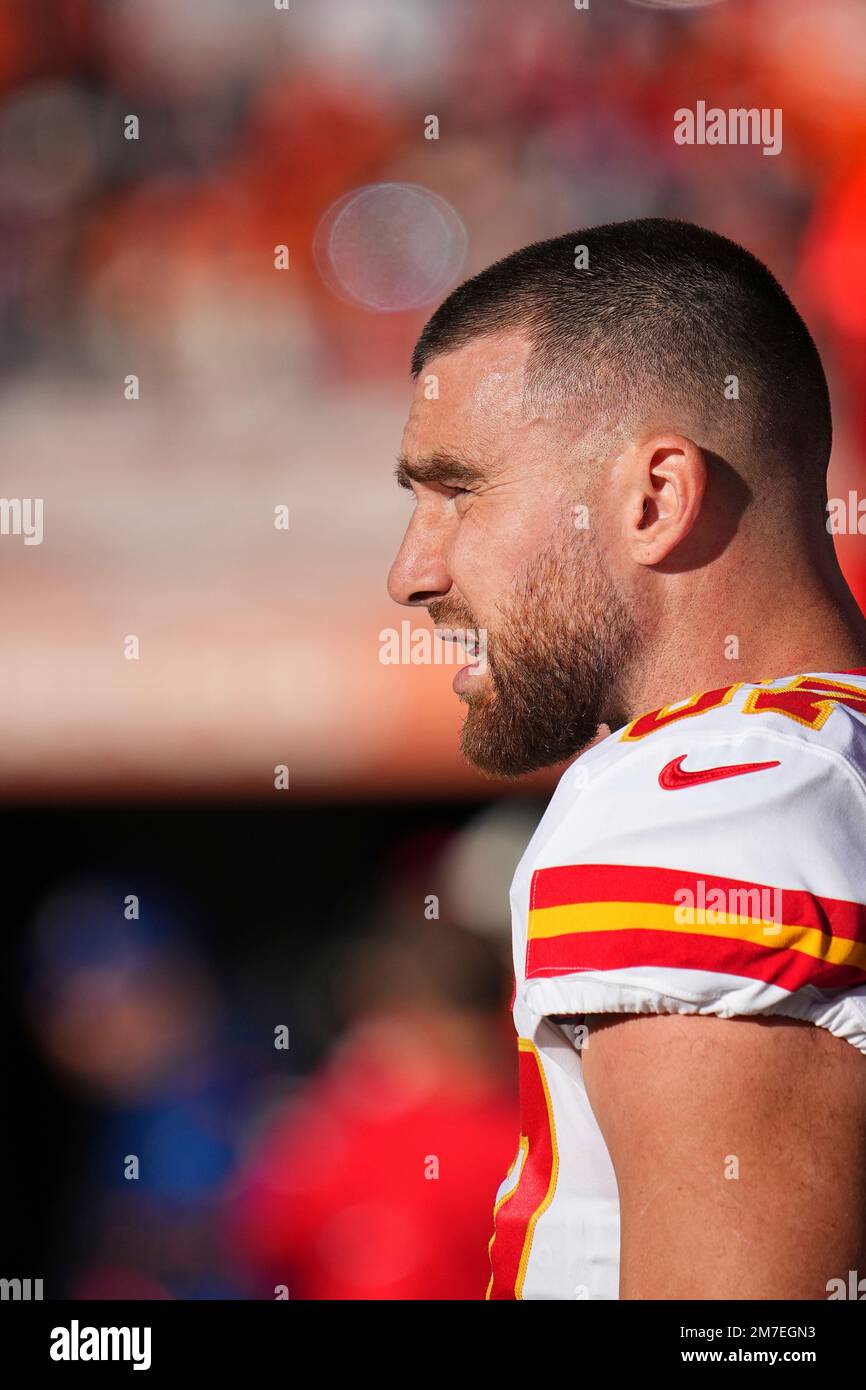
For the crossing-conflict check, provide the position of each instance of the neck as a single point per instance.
(794, 624)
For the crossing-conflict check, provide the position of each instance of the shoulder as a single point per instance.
(710, 861)
(733, 781)
(821, 715)
(752, 752)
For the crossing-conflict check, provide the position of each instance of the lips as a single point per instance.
(465, 679)
(471, 640)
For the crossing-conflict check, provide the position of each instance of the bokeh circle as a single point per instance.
(390, 246)
(674, 4)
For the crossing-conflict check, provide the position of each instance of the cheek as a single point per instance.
(492, 546)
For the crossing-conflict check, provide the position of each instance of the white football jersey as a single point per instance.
(709, 858)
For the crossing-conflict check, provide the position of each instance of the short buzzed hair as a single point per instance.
(649, 326)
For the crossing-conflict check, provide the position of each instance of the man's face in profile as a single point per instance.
(498, 544)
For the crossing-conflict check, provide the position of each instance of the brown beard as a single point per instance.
(555, 664)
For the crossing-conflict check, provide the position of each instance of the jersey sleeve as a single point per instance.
(739, 895)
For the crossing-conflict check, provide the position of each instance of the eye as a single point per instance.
(462, 497)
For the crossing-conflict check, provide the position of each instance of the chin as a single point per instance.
(508, 758)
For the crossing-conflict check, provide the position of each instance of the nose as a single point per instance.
(419, 573)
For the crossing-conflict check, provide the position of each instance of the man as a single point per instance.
(618, 447)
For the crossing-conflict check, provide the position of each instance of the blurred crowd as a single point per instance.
(308, 1109)
(239, 206)
(181, 201)
(253, 121)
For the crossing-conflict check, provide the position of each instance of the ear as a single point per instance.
(667, 478)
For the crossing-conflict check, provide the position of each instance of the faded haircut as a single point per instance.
(651, 333)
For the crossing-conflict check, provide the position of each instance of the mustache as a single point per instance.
(451, 613)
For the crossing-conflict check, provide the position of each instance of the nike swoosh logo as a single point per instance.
(672, 775)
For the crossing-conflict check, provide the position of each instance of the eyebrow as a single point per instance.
(438, 467)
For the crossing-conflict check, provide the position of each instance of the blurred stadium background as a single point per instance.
(308, 907)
